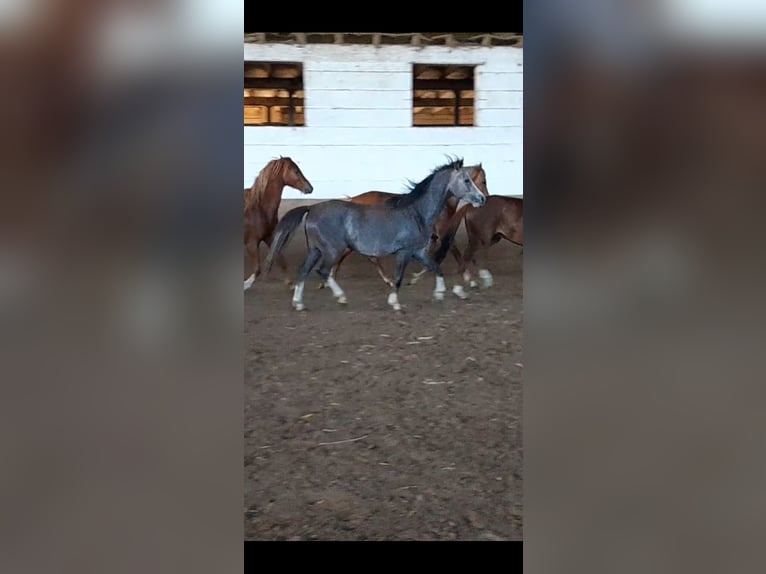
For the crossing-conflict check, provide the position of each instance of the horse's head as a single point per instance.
(479, 177)
(462, 186)
(293, 176)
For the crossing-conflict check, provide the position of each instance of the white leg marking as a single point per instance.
(460, 292)
(298, 296)
(416, 276)
(386, 280)
(440, 288)
(249, 281)
(393, 300)
(467, 276)
(336, 290)
(486, 277)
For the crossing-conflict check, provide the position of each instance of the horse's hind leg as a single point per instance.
(335, 268)
(325, 272)
(376, 262)
(402, 259)
(282, 262)
(308, 264)
(456, 254)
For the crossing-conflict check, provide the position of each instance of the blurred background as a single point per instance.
(120, 264)
(644, 135)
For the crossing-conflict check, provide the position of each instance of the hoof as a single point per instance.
(473, 284)
(342, 300)
(393, 300)
(460, 292)
(299, 306)
(439, 296)
(249, 282)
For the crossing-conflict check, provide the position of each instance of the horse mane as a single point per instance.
(274, 168)
(417, 189)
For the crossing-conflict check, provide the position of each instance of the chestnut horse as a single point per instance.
(479, 177)
(501, 217)
(262, 201)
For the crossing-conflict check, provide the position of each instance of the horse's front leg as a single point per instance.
(469, 261)
(254, 253)
(484, 273)
(434, 268)
(431, 249)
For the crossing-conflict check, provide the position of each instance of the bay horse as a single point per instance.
(402, 226)
(479, 177)
(501, 217)
(261, 209)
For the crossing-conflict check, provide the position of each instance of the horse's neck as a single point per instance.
(431, 203)
(272, 196)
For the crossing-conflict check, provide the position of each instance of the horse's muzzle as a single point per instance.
(308, 189)
(477, 200)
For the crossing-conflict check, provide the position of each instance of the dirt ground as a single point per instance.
(366, 424)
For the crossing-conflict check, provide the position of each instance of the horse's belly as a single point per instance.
(380, 243)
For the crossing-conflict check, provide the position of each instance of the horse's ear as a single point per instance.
(460, 163)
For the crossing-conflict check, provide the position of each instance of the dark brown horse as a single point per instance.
(501, 217)
(262, 201)
(479, 177)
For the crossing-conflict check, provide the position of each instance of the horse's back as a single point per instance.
(335, 208)
(366, 228)
(500, 213)
(371, 197)
(516, 206)
(503, 204)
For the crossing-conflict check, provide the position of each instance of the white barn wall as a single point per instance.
(358, 110)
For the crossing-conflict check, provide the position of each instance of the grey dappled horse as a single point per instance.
(402, 226)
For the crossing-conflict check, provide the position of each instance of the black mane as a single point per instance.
(417, 189)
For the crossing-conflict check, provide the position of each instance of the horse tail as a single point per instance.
(284, 230)
(449, 235)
